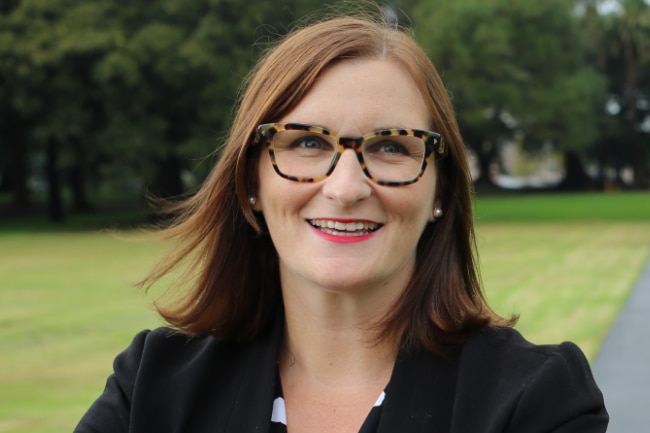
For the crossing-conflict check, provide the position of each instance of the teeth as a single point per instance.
(336, 227)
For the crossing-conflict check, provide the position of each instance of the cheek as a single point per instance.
(281, 201)
(427, 194)
(268, 187)
(414, 210)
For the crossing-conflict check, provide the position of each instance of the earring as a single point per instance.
(252, 200)
(437, 212)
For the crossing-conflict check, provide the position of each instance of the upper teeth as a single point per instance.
(350, 227)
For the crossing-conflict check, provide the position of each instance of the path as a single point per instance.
(622, 368)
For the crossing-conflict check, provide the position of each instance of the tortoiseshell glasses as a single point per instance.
(391, 157)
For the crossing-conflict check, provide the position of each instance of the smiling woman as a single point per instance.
(329, 272)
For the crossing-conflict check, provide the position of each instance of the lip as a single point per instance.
(344, 230)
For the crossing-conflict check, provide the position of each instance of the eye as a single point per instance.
(394, 147)
(389, 148)
(311, 143)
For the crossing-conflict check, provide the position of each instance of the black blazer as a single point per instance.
(497, 382)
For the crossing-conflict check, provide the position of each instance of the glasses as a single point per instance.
(391, 157)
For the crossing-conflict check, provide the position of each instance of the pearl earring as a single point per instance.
(437, 212)
(252, 200)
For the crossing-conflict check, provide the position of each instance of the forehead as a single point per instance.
(352, 97)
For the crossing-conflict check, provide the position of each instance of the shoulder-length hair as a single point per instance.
(230, 280)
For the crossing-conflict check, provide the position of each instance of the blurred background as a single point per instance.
(105, 102)
(101, 101)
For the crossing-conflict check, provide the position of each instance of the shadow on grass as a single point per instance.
(124, 219)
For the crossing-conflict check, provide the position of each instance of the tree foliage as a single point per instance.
(621, 50)
(114, 89)
(135, 94)
(515, 69)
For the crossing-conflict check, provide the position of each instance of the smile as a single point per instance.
(338, 228)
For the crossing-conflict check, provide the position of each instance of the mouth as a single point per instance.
(350, 228)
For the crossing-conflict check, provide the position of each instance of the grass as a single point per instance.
(565, 263)
(66, 308)
(619, 207)
(568, 281)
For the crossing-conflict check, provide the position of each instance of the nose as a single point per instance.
(347, 184)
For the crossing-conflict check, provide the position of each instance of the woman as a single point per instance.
(330, 275)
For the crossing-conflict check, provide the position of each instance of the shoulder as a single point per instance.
(545, 384)
(165, 350)
(504, 356)
(507, 345)
(496, 382)
(165, 380)
(172, 342)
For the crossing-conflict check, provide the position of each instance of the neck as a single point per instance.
(330, 339)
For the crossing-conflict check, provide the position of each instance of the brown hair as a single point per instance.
(230, 279)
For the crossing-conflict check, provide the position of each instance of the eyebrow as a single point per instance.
(379, 128)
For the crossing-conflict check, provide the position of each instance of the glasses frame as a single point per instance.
(432, 141)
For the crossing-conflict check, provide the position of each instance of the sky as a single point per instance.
(608, 6)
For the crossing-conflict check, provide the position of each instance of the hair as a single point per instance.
(230, 286)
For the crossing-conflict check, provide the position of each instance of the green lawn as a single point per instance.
(618, 206)
(567, 280)
(66, 309)
(565, 263)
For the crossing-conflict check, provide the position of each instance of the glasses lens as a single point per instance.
(303, 154)
(395, 158)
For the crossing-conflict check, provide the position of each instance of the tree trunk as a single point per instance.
(19, 171)
(55, 201)
(168, 183)
(77, 178)
(575, 179)
(639, 161)
(486, 154)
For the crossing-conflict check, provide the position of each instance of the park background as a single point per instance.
(106, 102)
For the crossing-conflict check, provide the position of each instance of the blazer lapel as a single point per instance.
(420, 395)
(253, 403)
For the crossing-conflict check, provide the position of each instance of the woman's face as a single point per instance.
(381, 224)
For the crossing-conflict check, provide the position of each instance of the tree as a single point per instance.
(621, 50)
(169, 86)
(51, 103)
(516, 70)
(17, 106)
(123, 90)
